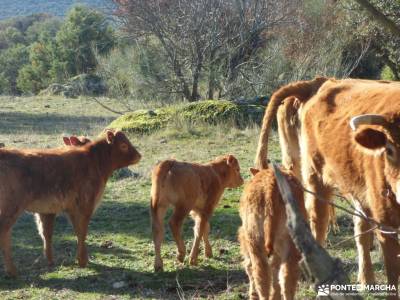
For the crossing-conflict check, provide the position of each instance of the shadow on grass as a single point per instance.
(133, 218)
(119, 218)
(201, 281)
(46, 123)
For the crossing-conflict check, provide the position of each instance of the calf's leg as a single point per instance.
(175, 223)
(157, 225)
(207, 245)
(275, 287)
(8, 217)
(199, 228)
(80, 223)
(260, 269)
(5, 244)
(289, 272)
(253, 295)
(45, 225)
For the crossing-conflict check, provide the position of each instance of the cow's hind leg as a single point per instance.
(175, 224)
(45, 225)
(157, 225)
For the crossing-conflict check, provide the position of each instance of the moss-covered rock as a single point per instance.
(210, 111)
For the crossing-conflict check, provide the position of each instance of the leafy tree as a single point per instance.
(44, 30)
(11, 60)
(61, 50)
(83, 31)
(36, 76)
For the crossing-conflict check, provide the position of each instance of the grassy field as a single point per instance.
(120, 246)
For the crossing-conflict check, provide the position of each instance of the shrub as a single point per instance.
(387, 74)
(209, 111)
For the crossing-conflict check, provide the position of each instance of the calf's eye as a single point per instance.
(124, 147)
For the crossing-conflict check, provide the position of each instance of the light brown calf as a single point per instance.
(45, 222)
(70, 179)
(271, 259)
(190, 188)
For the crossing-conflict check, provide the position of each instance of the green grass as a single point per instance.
(119, 240)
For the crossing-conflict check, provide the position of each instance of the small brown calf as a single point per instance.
(190, 188)
(45, 222)
(270, 256)
(49, 181)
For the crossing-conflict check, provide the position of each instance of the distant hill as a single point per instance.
(12, 8)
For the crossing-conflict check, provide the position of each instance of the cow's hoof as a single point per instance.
(180, 257)
(208, 254)
(158, 268)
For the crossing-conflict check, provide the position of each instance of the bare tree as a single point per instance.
(205, 40)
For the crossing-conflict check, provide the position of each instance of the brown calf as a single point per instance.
(45, 222)
(190, 188)
(70, 179)
(270, 255)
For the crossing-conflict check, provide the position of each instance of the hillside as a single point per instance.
(12, 8)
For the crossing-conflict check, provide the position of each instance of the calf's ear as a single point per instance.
(230, 159)
(66, 141)
(371, 139)
(110, 136)
(75, 141)
(254, 171)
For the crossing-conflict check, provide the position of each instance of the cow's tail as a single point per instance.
(333, 220)
(302, 90)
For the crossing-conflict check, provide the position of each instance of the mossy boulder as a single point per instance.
(209, 111)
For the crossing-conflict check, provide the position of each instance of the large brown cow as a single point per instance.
(270, 255)
(190, 188)
(363, 164)
(70, 179)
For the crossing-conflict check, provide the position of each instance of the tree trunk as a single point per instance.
(196, 76)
